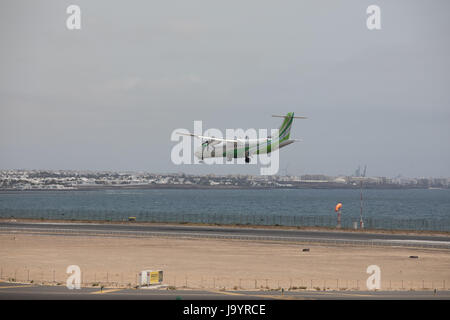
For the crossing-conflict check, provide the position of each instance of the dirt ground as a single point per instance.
(208, 263)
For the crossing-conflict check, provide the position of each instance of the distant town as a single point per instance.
(88, 180)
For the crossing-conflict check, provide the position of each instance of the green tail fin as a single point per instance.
(285, 128)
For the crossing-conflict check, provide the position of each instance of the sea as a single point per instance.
(415, 209)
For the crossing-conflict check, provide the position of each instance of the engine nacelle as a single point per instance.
(210, 142)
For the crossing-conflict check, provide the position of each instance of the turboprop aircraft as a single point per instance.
(213, 147)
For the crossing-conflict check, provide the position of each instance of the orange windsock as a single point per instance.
(338, 207)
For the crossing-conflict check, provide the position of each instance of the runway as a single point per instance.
(11, 291)
(220, 232)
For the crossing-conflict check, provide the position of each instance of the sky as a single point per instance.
(109, 96)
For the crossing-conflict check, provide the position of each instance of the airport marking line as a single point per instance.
(214, 235)
(9, 287)
(282, 297)
(106, 291)
(227, 293)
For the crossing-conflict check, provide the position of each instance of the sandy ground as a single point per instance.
(230, 264)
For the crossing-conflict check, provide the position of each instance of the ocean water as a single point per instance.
(406, 208)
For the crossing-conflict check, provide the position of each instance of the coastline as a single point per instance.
(320, 185)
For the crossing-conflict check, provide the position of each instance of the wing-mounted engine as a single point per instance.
(210, 142)
(207, 144)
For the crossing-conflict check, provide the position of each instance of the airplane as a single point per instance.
(213, 147)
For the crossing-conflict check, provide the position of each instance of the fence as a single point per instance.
(330, 221)
(115, 279)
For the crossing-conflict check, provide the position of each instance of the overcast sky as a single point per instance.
(108, 96)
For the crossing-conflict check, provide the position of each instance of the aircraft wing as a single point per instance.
(209, 138)
(218, 139)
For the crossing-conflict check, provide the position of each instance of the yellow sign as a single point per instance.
(156, 277)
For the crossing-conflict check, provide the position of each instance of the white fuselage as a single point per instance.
(240, 149)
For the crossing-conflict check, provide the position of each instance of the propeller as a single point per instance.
(206, 145)
(203, 146)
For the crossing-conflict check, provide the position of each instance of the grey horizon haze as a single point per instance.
(108, 96)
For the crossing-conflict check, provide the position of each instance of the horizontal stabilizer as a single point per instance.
(277, 116)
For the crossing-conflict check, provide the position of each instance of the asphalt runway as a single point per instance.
(239, 233)
(12, 291)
